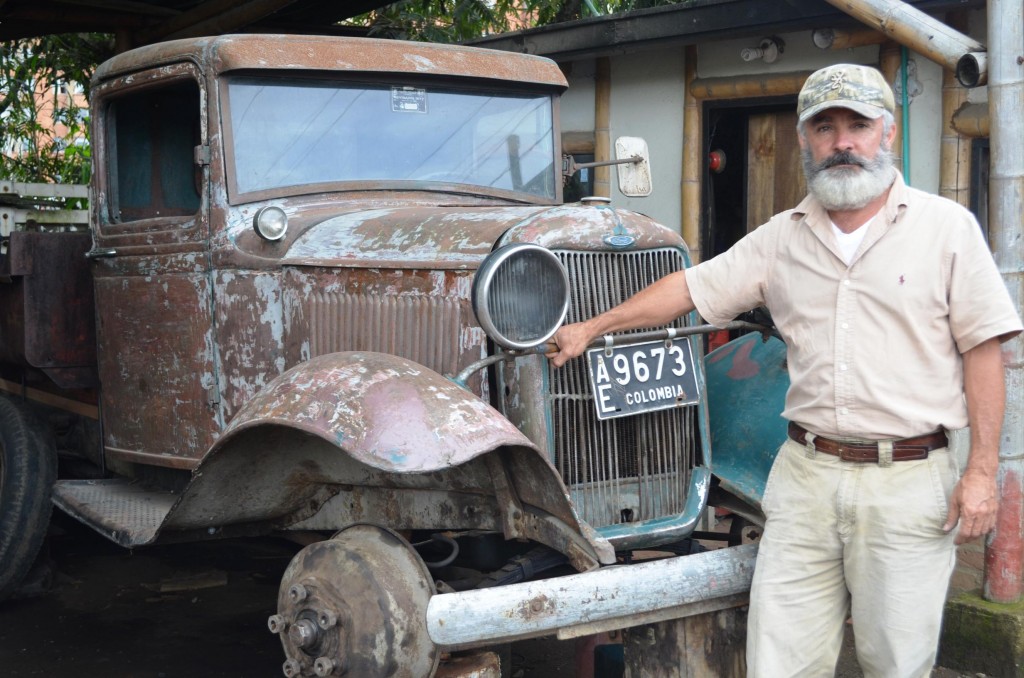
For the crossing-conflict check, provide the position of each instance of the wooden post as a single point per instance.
(955, 151)
(889, 65)
(693, 165)
(602, 126)
(702, 646)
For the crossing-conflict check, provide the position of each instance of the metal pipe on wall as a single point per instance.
(1004, 548)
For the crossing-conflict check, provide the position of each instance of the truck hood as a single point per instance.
(460, 237)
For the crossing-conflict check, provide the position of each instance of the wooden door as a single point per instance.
(775, 178)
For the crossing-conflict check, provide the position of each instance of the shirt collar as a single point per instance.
(816, 214)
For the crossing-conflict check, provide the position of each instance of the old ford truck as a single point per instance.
(313, 298)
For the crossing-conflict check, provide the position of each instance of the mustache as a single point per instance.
(842, 158)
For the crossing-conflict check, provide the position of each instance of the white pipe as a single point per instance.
(609, 597)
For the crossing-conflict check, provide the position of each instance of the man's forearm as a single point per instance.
(657, 304)
(985, 390)
(975, 499)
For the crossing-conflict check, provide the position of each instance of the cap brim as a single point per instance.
(867, 110)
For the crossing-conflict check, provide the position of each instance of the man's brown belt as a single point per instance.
(905, 449)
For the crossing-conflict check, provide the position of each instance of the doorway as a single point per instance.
(758, 170)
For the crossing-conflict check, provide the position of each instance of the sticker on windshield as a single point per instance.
(408, 100)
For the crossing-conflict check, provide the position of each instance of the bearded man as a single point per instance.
(892, 311)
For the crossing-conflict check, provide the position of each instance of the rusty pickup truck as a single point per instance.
(313, 298)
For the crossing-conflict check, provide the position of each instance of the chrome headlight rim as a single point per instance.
(483, 283)
(270, 223)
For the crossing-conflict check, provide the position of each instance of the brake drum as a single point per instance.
(356, 605)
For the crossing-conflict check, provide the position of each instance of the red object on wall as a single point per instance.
(716, 161)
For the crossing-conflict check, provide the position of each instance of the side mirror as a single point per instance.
(634, 169)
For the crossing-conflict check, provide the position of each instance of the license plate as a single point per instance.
(636, 378)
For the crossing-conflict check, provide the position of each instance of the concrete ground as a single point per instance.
(187, 611)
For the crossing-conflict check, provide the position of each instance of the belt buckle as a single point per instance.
(885, 453)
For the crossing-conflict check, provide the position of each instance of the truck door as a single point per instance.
(151, 267)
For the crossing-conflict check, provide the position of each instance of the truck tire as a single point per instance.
(28, 469)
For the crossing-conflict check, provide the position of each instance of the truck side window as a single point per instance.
(151, 135)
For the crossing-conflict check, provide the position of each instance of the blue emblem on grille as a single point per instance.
(619, 240)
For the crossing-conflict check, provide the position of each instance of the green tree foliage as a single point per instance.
(43, 125)
(459, 20)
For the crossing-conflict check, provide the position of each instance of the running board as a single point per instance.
(121, 510)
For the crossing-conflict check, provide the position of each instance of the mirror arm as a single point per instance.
(570, 167)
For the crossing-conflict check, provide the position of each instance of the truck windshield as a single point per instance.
(293, 134)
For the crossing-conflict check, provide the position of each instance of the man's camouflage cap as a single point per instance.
(859, 88)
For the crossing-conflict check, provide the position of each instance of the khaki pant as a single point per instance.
(850, 538)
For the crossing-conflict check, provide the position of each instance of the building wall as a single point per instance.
(647, 91)
(647, 101)
(648, 97)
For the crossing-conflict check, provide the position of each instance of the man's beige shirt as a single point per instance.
(873, 347)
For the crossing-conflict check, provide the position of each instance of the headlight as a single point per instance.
(271, 222)
(521, 295)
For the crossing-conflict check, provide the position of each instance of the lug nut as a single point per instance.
(276, 623)
(297, 593)
(291, 668)
(323, 666)
(327, 619)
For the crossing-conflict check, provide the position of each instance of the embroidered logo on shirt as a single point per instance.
(902, 280)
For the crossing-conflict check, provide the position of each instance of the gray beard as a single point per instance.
(848, 188)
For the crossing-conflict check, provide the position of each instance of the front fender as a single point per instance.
(370, 436)
(387, 412)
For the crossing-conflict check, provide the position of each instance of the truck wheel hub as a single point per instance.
(356, 605)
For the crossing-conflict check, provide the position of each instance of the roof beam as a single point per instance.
(681, 25)
(213, 18)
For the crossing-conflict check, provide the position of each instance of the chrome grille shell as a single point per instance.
(631, 469)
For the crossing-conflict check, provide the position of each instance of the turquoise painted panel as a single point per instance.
(747, 382)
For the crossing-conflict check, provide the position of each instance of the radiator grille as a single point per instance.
(628, 469)
(424, 329)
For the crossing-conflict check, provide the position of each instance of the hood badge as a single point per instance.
(619, 238)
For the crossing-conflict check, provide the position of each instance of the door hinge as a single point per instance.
(201, 155)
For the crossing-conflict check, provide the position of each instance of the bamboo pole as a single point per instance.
(837, 38)
(692, 159)
(972, 120)
(602, 126)
(954, 151)
(889, 65)
(742, 87)
(913, 28)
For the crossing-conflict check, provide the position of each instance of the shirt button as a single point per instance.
(845, 410)
(843, 367)
(846, 282)
(845, 326)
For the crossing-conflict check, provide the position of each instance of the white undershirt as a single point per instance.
(849, 242)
